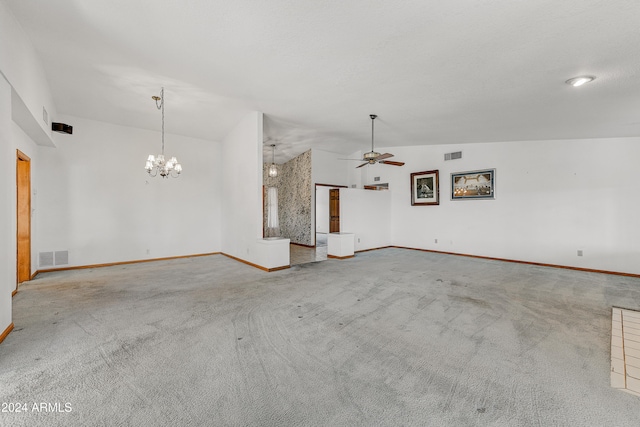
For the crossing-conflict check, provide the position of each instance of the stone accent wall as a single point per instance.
(294, 199)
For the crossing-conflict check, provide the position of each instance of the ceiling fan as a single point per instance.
(373, 157)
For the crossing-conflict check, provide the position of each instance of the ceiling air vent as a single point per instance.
(453, 156)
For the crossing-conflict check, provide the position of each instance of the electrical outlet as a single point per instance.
(358, 240)
(579, 252)
(436, 241)
(148, 251)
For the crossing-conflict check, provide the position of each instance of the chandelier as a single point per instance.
(157, 164)
(273, 170)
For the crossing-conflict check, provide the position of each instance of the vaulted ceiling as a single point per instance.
(435, 72)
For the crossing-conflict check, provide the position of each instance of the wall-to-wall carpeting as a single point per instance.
(391, 337)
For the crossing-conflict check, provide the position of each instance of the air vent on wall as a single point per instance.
(453, 156)
(45, 259)
(61, 257)
(50, 259)
(377, 178)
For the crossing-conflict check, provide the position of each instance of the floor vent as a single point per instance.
(625, 350)
(453, 156)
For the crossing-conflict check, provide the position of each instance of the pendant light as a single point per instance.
(273, 169)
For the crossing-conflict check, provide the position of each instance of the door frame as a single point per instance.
(23, 196)
(315, 213)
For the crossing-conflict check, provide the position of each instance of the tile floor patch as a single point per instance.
(625, 350)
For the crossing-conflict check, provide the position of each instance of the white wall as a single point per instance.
(322, 209)
(7, 207)
(96, 200)
(21, 78)
(21, 66)
(367, 214)
(242, 216)
(242, 188)
(356, 177)
(326, 168)
(553, 198)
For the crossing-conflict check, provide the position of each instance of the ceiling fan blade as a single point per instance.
(364, 164)
(357, 160)
(384, 156)
(389, 162)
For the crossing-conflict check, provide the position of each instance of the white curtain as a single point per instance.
(272, 208)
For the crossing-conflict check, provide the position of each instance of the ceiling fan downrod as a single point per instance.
(373, 117)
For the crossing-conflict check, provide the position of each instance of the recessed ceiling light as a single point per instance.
(579, 81)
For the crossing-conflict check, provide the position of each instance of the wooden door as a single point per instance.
(23, 190)
(334, 210)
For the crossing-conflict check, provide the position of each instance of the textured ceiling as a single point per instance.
(436, 72)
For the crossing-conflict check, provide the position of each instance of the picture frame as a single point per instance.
(470, 185)
(425, 188)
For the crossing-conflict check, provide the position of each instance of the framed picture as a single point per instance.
(425, 190)
(473, 185)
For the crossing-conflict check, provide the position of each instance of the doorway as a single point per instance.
(334, 210)
(327, 211)
(23, 210)
(318, 252)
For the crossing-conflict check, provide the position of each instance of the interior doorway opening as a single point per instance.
(327, 211)
(327, 220)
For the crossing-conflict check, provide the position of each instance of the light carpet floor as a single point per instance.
(391, 337)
